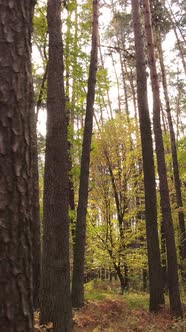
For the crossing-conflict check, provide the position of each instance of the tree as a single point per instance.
(174, 296)
(173, 22)
(112, 208)
(154, 263)
(79, 246)
(40, 40)
(36, 243)
(55, 287)
(177, 182)
(16, 106)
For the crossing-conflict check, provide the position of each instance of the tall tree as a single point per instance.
(177, 182)
(35, 212)
(80, 234)
(174, 296)
(113, 170)
(155, 275)
(16, 105)
(171, 17)
(55, 288)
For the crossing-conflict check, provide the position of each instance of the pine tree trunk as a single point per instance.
(16, 105)
(154, 264)
(55, 300)
(177, 182)
(79, 247)
(163, 256)
(174, 296)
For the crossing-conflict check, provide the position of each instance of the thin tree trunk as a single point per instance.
(79, 252)
(121, 277)
(144, 276)
(133, 91)
(16, 106)
(41, 92)
(154, 264)
(123, 79)
(107, 105)
(174, 296)
(36, 236)
(177, 182)
(177, 25)
(177, 38)
(55, 288)
(36, 243)
(117, 84)
(120, 216)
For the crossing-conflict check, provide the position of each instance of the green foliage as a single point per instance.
(117, 148)
(40, 27)
(41, 160)
(160, 21)
(40, 47)
(118, 138)
(182, 158)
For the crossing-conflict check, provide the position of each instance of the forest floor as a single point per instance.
(109, 312)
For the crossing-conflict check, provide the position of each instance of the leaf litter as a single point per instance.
(115, 316)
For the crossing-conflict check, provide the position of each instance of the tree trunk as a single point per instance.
(36, 234)
(71, 105)
(154, 264)
(174, 296)
(16, 105)
(163, 256)
(177, 39)
(177, 182)
(144, 276)
(79, 247)
(107, 103)
(120, 209)
(121, 277)
(36, 243)
(55, 288)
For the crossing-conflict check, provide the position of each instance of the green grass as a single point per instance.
(99, 290)
(137, 300)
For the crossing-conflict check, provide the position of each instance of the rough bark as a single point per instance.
(163, 256)
(177, 182)
(16, 104)
(154, 264)
(174, 296)
(80, 235)
(55, 284)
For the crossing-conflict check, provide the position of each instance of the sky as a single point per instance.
(104, 19)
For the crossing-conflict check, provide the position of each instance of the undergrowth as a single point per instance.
(107, 310)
